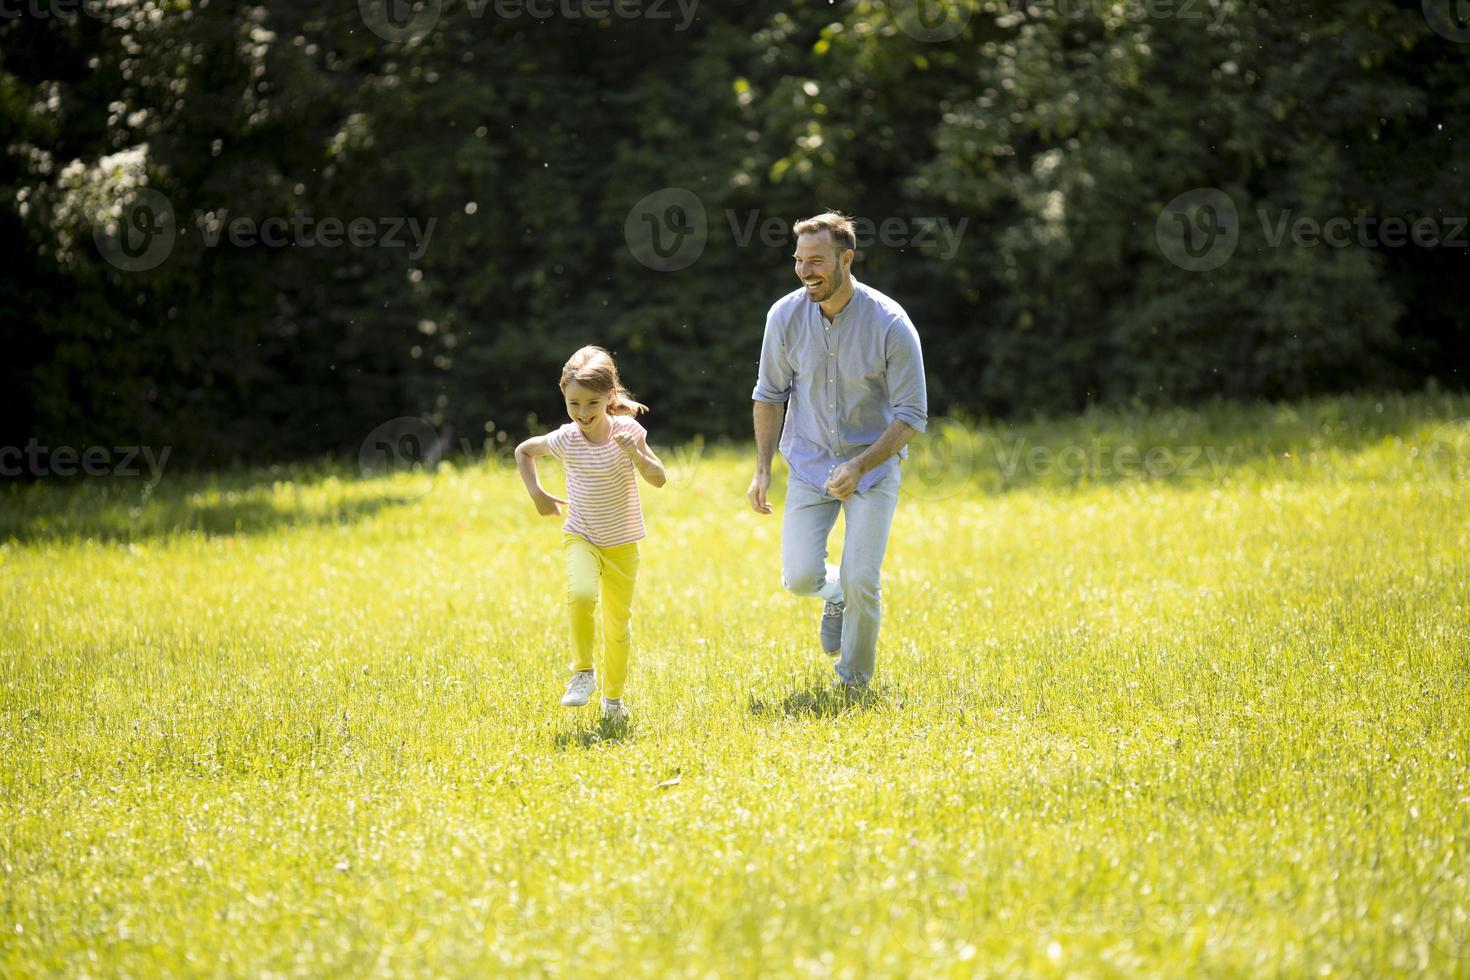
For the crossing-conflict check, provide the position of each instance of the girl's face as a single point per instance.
(588, 408)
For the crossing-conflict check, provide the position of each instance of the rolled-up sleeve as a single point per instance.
(908, 395)
(773, 377)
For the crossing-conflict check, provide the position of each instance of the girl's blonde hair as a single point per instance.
(593, 367)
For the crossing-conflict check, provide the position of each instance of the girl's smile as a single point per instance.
(588, 408)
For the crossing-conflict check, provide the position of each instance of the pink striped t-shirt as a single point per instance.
(602, 491)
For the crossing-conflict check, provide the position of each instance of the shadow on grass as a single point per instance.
(599, 732)
(818, 699)
(125, 511)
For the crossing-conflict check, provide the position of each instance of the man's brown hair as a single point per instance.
(834, 222)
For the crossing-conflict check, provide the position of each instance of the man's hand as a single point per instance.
(844, 480)
(759, 484)
(546, 504)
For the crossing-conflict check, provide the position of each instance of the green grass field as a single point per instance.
(1194, 707)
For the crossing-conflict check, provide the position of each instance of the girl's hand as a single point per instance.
(546, 504)
(628, 442)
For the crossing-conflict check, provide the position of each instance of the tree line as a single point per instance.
(255, 232)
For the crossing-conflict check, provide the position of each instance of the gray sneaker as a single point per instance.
(615, 712)
(832, 628)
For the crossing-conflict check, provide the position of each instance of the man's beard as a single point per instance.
(833, 284)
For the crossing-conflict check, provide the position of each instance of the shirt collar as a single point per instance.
(857, 296)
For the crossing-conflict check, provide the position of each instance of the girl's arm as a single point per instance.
(526, 454)
(643, 458)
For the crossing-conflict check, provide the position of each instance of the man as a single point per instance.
(844, 361)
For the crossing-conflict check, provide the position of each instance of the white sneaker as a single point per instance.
(614, 710)
(579, 688)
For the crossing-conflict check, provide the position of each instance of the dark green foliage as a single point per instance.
(1057, 133)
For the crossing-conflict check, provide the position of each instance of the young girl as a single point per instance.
(600, 447)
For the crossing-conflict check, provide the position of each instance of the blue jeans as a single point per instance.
(810, 514)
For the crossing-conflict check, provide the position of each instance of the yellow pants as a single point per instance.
(615, 569)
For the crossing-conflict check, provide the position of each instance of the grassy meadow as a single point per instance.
(1168, 694)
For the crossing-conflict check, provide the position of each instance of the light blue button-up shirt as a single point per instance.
(842, 382)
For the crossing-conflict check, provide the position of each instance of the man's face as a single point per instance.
(819, 267)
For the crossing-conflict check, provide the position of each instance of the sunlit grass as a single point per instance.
(1128, 720)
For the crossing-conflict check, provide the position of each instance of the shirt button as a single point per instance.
(831, 353)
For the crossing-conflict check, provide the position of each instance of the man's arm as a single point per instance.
(894, 438)
(768, 417)
(844, 479)
(908, 392)
(772, 391)
(909, 402)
